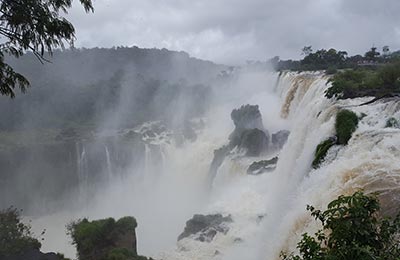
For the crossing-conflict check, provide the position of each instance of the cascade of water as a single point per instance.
(268, 210)
(82, 169)
(108, 162)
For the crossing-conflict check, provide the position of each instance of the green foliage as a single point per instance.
(392, 122)
(90, 235)
(349, 79)
(123, 254)
(351, 230)
(15, 236)
(126, 224)
(321, 152)
(22, 31)
(323, 59)
(372, 54)
(346, 123)
(120, 254)
(98, 239)
(389, 76)
(361, 82)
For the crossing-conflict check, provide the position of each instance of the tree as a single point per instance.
(32, 25)
(307, 50)
(351, 230)
(15, 236)
(372, 54)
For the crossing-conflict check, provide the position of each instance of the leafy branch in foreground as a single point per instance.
(37, 26)
(15, 236)
(351, 230)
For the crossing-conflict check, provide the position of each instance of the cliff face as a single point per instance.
(38, 171)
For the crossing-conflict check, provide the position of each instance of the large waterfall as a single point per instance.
(267, 211)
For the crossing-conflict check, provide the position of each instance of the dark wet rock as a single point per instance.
(279, 138)
(249, 135)
(219, 157)
(244, 118)
(205, 227)
(262, 166)
(254, 141)
(247, 117)
(34, 254)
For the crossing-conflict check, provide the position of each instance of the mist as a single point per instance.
(101, 135)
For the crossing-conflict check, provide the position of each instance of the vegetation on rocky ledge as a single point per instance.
(351, 229)
(346, 123)
(105, 239)
(321, 151)
(365, 82)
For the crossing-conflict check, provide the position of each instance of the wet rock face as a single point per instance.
(279, 138)
(254, 141)
(205, 227)
(263, 166)
(247, 117)
(244, 118)
(219, 157)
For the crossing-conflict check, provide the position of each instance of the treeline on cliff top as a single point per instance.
(375, 74)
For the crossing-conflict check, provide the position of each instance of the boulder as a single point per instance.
(204, 227)
(263, 166)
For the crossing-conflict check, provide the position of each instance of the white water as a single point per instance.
(268, 210)
(108, 162)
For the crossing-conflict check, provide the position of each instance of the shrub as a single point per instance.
(389, 75)
(15, 236)
(321, 151)
(351, 230)
(341, 81)
(346, 123)
(392, 122)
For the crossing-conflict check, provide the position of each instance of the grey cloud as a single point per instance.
(232, 31)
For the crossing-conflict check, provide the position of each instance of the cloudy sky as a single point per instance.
(233, 31)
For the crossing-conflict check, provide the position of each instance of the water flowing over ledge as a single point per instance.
(267, 210)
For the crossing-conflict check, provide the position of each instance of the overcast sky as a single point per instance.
(233, 31)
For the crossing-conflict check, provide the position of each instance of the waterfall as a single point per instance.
(82, 169)
(108, 162)
(268, 211)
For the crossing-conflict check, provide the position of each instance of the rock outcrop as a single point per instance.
(263, 166)
(245, 118)
(205, 227)
(254, 142)
(278, 139)
(105, 238)
(251, 139)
